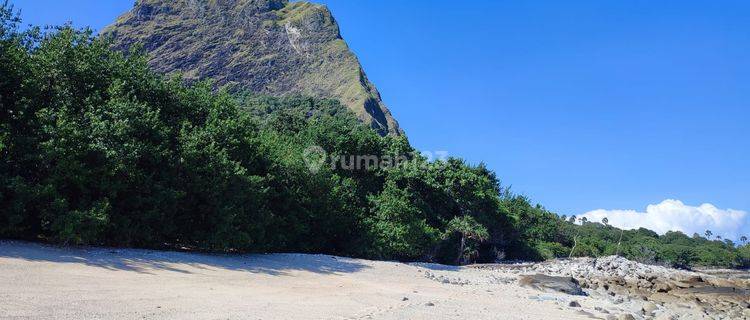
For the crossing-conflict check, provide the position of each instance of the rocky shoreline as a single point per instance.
(631, 290)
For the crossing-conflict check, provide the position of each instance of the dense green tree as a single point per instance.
(399, 225)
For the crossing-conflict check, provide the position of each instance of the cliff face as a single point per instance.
(266, 46)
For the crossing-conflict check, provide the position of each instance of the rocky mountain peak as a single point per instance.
(151, 7)
(273, 47)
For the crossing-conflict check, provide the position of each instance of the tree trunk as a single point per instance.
(461, 250)
(575, 243)
(617, 253)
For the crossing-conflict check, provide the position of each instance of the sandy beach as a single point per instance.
(44, 282)
(47, 282)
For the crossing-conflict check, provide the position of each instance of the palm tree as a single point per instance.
(605, 221)
(743, 239)
(572, 219)
(718, 237)
(708, 234)
(468, 228)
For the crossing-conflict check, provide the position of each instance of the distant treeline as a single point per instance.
(95, 148)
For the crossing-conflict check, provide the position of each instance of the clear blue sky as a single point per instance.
(578, 104)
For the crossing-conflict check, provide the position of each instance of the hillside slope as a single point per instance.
(266, 46)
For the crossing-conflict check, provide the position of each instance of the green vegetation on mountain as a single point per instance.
(272, 47)
(96, 148)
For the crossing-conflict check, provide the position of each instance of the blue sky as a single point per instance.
(580, 105)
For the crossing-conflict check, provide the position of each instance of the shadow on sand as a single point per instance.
(435, 266)
(144, 261)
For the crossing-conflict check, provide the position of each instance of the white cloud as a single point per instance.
(673, 215)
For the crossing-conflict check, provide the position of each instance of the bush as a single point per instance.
(551, 250)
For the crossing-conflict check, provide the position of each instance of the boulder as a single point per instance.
(625, 316)
(649, 308)
(547, 283)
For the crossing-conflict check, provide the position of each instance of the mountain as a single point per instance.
(273, 47)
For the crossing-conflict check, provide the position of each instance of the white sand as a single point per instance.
(43, 282)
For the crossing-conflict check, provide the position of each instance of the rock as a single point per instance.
(587, 314)
(649, 308)
(429, 304)
(648, 291)
(663, 287)
(665, 316)
(547, 283)
(625, 316)
(404, 299)
(574, 304)
(693, 279)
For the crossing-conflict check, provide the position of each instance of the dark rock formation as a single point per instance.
(265, 46)
(551, 283)
(674, 290)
